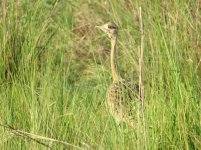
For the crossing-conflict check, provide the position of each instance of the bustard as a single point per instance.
(122, 95)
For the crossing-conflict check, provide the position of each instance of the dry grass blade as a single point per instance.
(141, 57)
(141, 88)
(38, 137)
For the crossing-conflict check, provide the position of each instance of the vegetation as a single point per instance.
(55, 71)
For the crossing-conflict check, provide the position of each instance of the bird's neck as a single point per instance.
(115, 75)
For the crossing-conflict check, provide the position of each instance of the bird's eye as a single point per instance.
(111, 27)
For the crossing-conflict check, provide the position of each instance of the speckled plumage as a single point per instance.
(122, 98)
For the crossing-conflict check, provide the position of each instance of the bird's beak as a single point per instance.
(102, 28)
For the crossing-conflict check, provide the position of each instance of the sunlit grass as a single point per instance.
(54, 74)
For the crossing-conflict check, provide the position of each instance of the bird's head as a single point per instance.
(110, 28)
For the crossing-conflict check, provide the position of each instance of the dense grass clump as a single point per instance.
(55, 71)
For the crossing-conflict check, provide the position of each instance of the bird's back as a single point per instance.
(122, 100)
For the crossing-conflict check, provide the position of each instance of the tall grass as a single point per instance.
(55, 71)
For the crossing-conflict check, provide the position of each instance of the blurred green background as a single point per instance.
(55, 71)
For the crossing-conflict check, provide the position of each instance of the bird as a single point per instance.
(122, 95)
